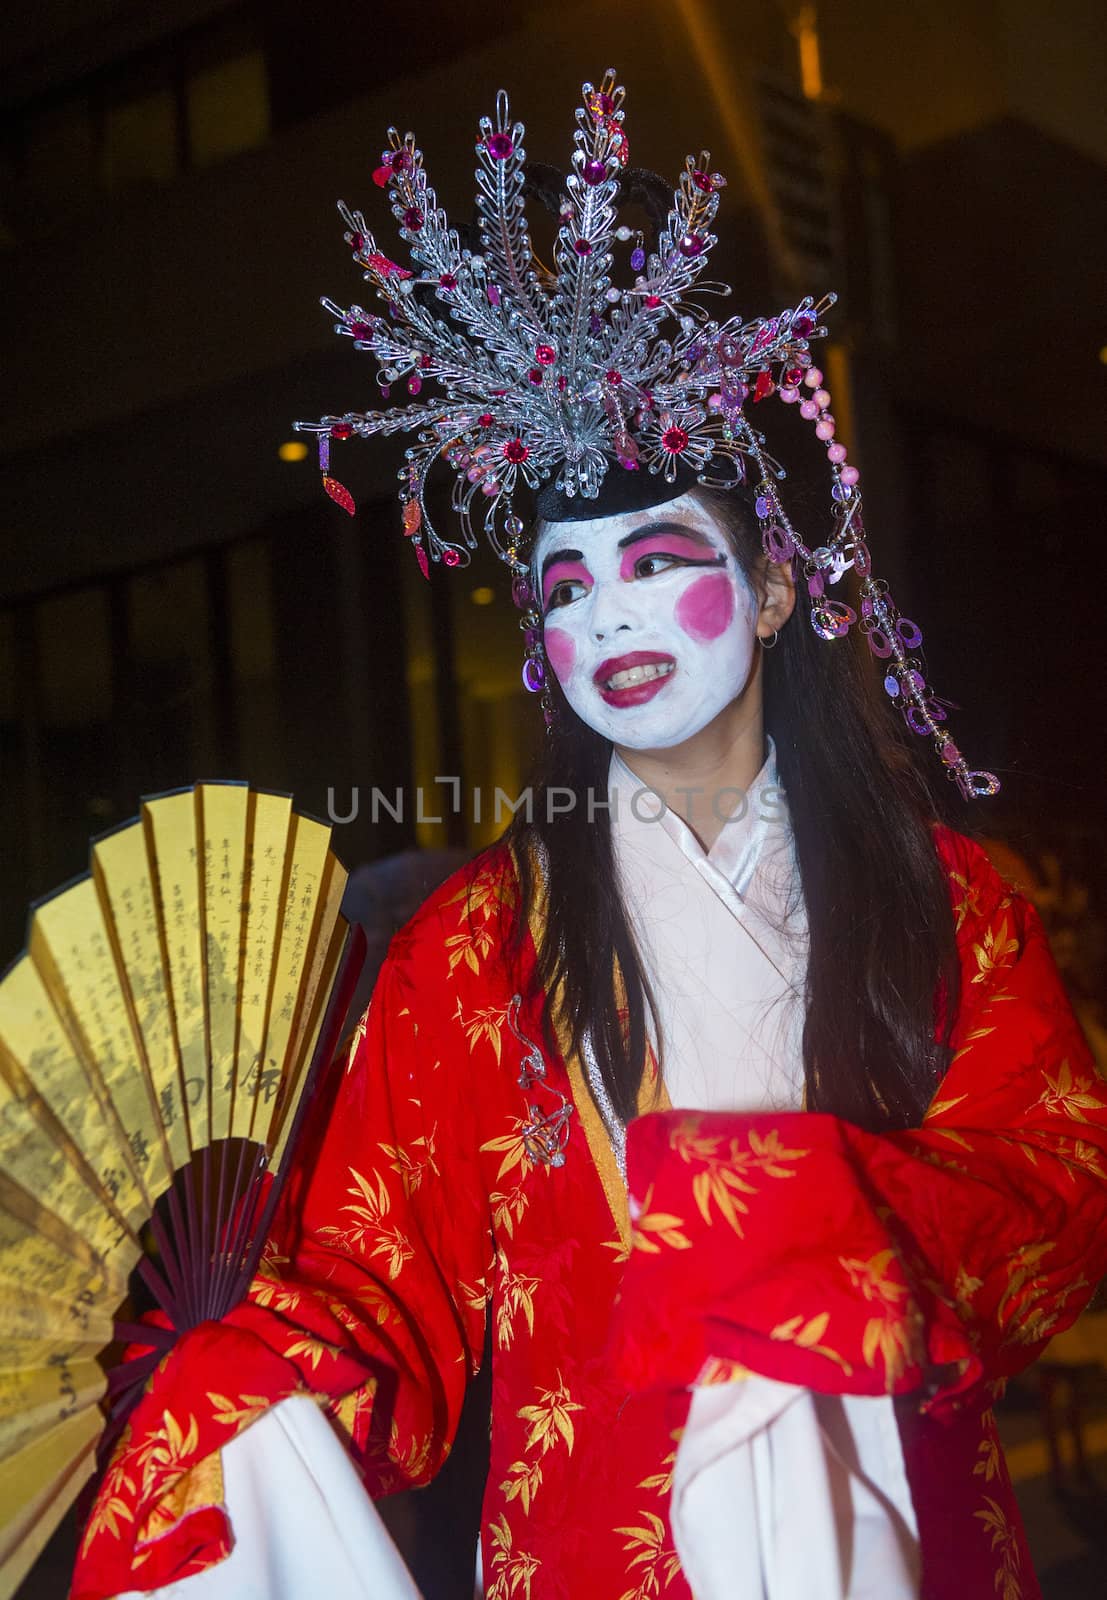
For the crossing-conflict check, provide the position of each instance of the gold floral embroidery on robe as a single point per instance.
(989, 1463)
(237, 1413)
(966, 899)
(114, 1502)
(727, 1168)
(895, 1335)
(648, 1549)
(1071, 1095)
(550, 1422)
(483, 903)
(808, 1335)
(484, 1026)
(652, 1229)
(512, 1569)
(369, 1232)
(414, 1163)
(1005, 1543)
(516, 1297)
(997, 948)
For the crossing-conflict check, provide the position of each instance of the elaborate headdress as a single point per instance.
(562, 383)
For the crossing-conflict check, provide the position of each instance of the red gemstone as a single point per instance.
(765, 335)
(516, 451)
(535, 374)
(424, 362)
(340, 494)
(614, 377)
(674, 439)
(342, 430)
(600, 104)
(562, 383)
(485, 419)
(803, 324)
(692, 244)
(793, 376)
(594, 172)
(652, 301)
(763, 386)
(500, 146)
(583, 247)
(447, 281)
(401, 160)
(703, 181)
(358, 242)
(546, 354)
(361, 330)
(382, 177)
(413, 219)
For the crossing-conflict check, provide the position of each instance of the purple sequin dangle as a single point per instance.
(535, 673)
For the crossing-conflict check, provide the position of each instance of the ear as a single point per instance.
(778, 598)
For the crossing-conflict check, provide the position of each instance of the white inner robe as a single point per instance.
(303, 1524)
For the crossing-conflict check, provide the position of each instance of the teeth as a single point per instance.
(633, 675)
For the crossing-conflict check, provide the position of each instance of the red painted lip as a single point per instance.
(638, 693)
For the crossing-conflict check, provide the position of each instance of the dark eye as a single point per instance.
(563, 593)
(650, 566)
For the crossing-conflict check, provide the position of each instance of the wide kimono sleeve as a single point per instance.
(374, 1304)
(936, 1259)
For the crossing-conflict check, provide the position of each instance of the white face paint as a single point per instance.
(649, 622)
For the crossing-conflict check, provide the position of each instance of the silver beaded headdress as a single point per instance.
(550, 381)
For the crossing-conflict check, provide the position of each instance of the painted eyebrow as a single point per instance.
(649, 529)
(553, 557)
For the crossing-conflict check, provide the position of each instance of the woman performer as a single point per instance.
(740, 1095)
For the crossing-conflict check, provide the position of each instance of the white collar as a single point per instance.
(735, 854)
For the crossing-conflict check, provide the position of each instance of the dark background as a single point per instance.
(177, 601)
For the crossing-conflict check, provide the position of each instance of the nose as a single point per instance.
(611, 610)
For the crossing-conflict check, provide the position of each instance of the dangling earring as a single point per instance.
(769, 644)
(536, 676)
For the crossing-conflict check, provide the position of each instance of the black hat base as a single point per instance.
(620, 492)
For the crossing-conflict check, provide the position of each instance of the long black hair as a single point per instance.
(882, 972)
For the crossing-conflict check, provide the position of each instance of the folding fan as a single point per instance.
(159, 1038)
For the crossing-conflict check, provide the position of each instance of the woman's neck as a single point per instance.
(703, 779)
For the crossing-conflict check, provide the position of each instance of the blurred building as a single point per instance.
(178, 600)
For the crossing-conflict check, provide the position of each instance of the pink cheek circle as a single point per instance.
(706, 608)
(560, 652)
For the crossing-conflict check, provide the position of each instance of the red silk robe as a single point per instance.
(931, 1263)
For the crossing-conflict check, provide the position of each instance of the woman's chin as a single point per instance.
(693, 741)
(664, 744)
